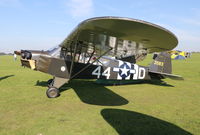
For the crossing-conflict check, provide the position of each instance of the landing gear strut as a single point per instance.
(49, 82)
(54, 85)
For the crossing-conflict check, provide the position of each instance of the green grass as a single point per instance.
(86, 108)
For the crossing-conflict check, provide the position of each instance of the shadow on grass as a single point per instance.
(41, 83)
(156, 82)
(134, 123)
(132, 82)
(95, 94)
(92, 93)
(5, 77)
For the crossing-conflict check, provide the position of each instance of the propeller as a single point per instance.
(24, 54)
(17, 52)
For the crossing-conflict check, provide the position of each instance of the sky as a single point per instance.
(42, 24)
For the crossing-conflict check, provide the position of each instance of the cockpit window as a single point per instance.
(54, 51)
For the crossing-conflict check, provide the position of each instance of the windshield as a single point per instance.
(54, 51)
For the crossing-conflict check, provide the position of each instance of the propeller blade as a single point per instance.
(17, 52)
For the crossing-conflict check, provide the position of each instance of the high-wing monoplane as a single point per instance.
(105, 48)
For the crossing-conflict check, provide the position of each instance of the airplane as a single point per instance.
(105, 48)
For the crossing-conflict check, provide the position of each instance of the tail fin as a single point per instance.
(162, 67)
(162, 63)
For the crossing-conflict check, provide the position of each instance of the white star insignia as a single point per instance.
(124, 71)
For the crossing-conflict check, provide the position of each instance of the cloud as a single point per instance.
(10, 3)
(188, 39)
(80, 8)
(26, 42)
(109, 8)
(192, 21)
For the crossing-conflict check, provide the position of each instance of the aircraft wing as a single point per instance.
(126, 37)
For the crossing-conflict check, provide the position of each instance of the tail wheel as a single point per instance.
(52, 92)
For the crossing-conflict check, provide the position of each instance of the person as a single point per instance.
(15, 56)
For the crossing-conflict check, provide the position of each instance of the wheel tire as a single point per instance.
(52, 92)
(49, 82)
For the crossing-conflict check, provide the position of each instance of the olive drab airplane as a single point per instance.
(105, 48)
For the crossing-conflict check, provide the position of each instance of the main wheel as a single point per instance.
(52, 92)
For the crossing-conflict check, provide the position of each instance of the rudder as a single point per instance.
(162, 63)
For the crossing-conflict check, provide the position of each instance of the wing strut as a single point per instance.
(73, 59)
(91, 63)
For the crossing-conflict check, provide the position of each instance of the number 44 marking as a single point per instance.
(106, 72)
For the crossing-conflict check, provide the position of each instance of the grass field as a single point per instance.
(85, 108)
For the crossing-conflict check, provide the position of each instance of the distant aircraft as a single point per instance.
(179, 55)
(105, 48)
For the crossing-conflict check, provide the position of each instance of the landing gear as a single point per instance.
(54, 85)
(52, 92)
(49, 82)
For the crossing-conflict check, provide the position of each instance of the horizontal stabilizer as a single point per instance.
(165, 75)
